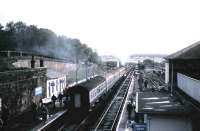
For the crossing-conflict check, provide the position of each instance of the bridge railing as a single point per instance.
(13, 54)
(24, 55)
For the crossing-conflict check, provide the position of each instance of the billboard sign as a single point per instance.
(55, 86)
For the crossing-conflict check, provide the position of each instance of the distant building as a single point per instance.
(183, 78)
(137, 58)
(111, 62)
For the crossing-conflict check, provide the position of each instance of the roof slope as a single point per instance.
(157, 103)
(190, 52)
(92, 83)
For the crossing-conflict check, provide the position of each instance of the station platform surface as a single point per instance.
(123, 120)
(157, 103)
(48, 121)
(165, 108)
(26, 122)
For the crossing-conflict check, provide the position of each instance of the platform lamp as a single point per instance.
(86, 68)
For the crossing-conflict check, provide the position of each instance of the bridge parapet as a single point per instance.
(27, 55)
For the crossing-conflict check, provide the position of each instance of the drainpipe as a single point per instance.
(172, 80)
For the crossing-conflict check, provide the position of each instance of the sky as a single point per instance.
(113, 27)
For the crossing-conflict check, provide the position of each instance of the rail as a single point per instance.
(109, 118)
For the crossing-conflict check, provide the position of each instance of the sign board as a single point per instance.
(140, 127)
(55, 86)
(38, 91)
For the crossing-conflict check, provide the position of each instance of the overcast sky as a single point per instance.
(113, 27)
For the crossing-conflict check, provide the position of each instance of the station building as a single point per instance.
(110, 62)
(19, 86)
(26, 77)
(183, 78)
(56, 72)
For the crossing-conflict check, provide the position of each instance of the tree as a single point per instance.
(1, 27)
(21, 37)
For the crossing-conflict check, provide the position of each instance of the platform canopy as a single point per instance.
(157, 103)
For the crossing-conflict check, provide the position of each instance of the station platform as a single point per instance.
(123, 120)
(25, 121)
(158, 109)
(48, 121)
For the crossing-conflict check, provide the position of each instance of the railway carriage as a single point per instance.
(84, 95)
(111, 80)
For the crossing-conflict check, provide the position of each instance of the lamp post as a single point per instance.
(86, 73)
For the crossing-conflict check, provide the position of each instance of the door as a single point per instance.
(77, 101)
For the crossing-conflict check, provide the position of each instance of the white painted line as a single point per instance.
(49, 122)
(123, 110)
(136, 109)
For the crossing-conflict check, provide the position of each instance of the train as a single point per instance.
(85, 95)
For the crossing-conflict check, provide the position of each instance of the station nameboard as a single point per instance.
(140, 127)
(38, 91)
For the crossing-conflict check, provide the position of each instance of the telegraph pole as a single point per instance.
(86, 73)
(76, 55)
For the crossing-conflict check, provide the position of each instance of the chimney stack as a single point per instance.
(41, 63)
(32, 62)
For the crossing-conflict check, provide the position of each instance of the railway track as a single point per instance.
(87, 123)
(109, 118)
(154, 80)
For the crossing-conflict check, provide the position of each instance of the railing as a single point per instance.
(13, 54)
(22, 54)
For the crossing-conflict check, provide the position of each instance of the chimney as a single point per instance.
(32, 62)
(41, 63)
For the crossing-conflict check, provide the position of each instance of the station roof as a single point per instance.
(190, 52)
(157, 103)
(92, 83)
